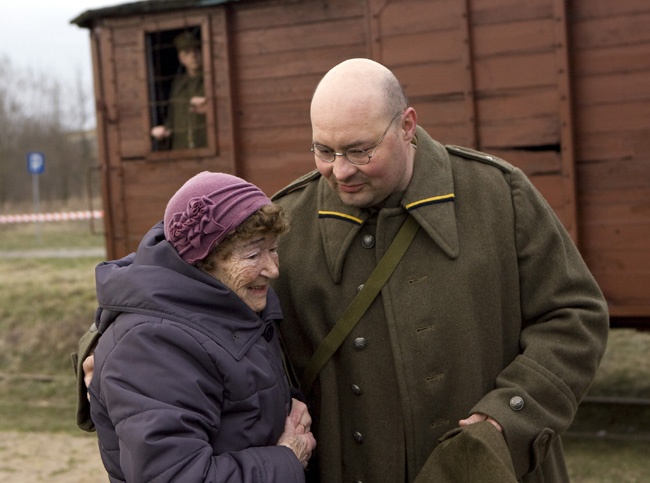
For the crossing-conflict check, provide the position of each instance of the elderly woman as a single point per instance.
(188, 382)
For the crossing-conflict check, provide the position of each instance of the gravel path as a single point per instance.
(49, 457)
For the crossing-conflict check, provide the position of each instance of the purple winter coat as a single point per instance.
(188, 384)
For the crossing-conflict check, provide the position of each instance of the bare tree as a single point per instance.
(35, 115)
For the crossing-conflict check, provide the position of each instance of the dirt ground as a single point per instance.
(51, 457)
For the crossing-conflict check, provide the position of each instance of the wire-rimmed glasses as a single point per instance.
(356, 156)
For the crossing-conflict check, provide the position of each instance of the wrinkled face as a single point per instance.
(387, 172)
(249, 268)
(191, 60)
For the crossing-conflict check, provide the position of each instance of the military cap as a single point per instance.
(186, 40)
(477, 452)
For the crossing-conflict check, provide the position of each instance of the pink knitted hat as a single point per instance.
(205, 209)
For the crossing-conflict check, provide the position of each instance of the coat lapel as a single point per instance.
(339, 225)
(429, 198)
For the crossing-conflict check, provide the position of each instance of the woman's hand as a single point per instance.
(297, 434)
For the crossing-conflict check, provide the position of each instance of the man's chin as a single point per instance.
(356, 200)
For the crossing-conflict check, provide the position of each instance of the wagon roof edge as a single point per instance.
(89, 17)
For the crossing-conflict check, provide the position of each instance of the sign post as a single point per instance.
(35, 166)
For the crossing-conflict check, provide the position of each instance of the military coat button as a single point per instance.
(356, 390)
(517, 403)
(368, 241)
(358, 437)
(360, 343)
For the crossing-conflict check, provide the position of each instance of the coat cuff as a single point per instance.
(533, 407)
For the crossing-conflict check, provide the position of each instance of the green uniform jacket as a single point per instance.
(188, 128)
(491, 310)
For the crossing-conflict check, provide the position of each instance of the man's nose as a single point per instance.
(342, 168)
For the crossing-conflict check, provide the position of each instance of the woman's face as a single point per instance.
(249, 268)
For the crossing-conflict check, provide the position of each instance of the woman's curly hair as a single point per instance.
(270, 219)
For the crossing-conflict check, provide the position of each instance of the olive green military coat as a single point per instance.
(491, 310)
(188, 128)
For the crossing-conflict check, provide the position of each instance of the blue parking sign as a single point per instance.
(35, 162)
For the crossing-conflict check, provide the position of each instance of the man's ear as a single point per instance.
(409, 123)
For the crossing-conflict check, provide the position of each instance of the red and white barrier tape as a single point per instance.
(70, 215)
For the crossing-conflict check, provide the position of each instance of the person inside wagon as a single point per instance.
(189, 382)
(185, 124)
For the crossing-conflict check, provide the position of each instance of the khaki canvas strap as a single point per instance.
(360, 304)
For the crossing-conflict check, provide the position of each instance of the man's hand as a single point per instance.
(478, 417)
(88, 367)
(160, 132)
(198, 105)
(299, 416)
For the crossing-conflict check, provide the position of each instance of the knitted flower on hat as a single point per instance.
(205, 209)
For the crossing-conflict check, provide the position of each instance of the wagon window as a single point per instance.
(177, 99)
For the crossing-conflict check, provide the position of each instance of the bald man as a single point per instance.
(471, 361)
(491, 314)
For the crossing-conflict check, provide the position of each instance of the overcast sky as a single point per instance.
(38, 35)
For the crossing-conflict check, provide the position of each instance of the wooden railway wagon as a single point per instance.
(560, 88)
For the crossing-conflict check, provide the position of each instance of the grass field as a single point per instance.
(46, 304)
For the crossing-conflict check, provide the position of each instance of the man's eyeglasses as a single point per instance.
(354, 155)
